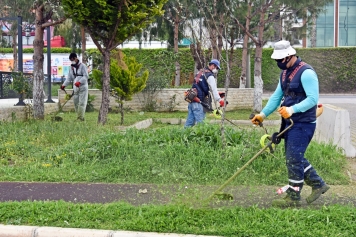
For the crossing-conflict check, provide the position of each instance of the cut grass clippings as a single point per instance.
(330, 221)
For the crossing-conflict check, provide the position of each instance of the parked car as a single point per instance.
(55, 79)
(58, 80)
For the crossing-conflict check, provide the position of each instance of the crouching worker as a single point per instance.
(79, 75)
(298, 90)
(204, 82)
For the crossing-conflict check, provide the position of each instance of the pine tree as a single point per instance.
(126, 79)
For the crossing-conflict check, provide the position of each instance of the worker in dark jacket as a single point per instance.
(204, 82)
(297, 94)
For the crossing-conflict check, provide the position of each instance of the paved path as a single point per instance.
(139, 194)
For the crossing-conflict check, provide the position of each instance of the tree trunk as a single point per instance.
(122, 110)
(313, 32)
(84, 44)
(258, 83)
(38, 58)
(73, 43)
(220, 38)
(104, 108)
(14, 48)
(214, 47)
(213, 32)
(243, 81)
(198, 55)
(176, 32)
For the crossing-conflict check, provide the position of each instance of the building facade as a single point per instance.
(336, 26)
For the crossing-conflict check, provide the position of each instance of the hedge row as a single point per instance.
(335, 66)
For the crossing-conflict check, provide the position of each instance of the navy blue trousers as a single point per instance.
(296, 141)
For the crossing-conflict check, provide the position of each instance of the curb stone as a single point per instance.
(35, 231)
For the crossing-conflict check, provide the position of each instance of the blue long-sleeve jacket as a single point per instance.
(310, 84)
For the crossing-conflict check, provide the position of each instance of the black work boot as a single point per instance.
(316, 193)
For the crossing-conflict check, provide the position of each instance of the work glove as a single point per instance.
(77, 84)
(62, 87)
(286, 112)
(222, 95)
(222, 103)
(319, 110)
(258, 119)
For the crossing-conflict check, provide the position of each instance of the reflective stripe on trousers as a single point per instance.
(296, 141)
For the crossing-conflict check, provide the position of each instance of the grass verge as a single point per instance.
(333, 220)
(72, 151)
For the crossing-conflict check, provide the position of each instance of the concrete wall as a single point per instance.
(333, 126)
(237, 98)
(19, 112)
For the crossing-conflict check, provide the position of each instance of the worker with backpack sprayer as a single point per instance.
(297, 93)
(79, 75)
(198, 96)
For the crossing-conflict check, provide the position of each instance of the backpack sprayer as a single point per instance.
(191, 96)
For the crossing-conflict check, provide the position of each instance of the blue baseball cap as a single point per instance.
(216, 63)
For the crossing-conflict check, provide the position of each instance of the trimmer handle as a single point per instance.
(251, 117)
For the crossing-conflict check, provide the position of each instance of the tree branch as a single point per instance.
(117, 24)
(98, 46)
(44, 25)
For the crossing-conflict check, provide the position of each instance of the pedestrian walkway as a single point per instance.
(34, 231)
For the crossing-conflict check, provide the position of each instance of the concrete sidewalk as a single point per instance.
(35, 231)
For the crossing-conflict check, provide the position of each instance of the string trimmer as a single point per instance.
(67, 98)
(274, 139)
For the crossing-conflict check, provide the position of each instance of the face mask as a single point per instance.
(74, 63)
(215, 70)
(283, 66)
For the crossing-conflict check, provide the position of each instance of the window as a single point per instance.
(347, 23)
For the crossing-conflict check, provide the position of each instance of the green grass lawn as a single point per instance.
(82, 148)
(328, 221)
(73, 151)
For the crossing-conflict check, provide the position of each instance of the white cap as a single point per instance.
(282, 49)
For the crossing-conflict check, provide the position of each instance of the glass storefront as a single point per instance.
(347, 22)
(325, 28)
